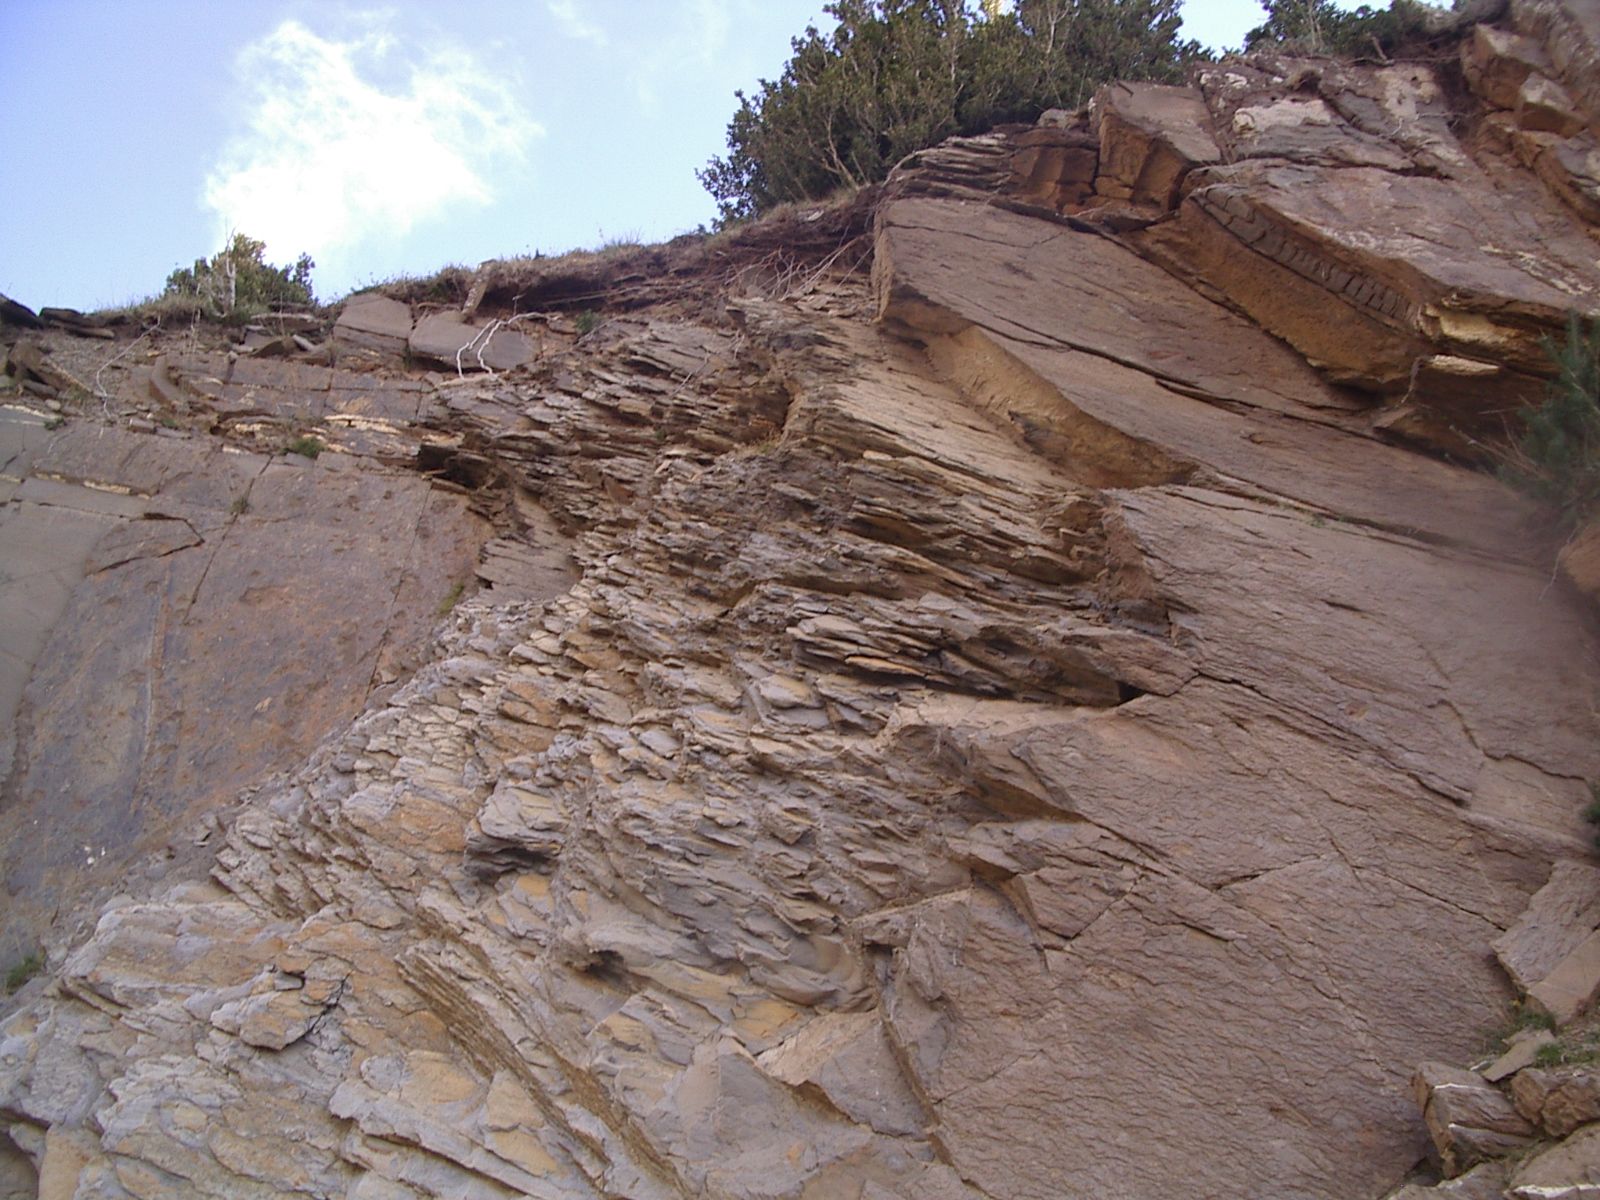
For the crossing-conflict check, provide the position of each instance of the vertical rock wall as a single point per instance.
(1016, 729)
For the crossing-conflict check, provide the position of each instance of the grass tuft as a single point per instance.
(1556, 458)
(23, 971)
(452, 598)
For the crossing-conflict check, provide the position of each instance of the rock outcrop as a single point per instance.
(1064, 716)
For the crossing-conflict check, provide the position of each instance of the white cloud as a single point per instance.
(574, 24)
(695, 40)
(714, 22)
(329, 158)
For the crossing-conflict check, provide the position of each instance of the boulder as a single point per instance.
(1543, 106)
(1560, 917)
(1558, 1099)
(1469, 1119)
(1521, 1052)
(27, 359)
(1569, 1170)
(372, 320)
(1486, 1181)
(1497, 62)
(447, 339)
(1151, 137)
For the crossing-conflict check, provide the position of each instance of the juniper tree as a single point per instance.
(894, 76)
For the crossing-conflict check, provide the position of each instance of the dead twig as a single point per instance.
(99, 389)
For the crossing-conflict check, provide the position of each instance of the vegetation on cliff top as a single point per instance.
(236, 284)
(896, 76)
(1321, 27)
(899, 75)
(239, 277)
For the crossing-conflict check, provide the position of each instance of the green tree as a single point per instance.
(1557, 457)
(894, 76)
(238, 279)
(1320, 27)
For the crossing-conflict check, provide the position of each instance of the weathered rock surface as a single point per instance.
(1052, 741)
(1469, 1120)
(186, 616)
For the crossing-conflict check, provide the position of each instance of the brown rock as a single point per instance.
(1497, 62)
(1448, 396)
(1055, 166)
(28, 359)
(1558, 1100)
(1523, 1050)
(1570, 37)
(1572, 984)
(67, 1152)
(81, 324)
(1570, 166)
(374, 321)
(1569, 1170)
(1151, 137)
(1486, 1181)
(1041, 744)
(156, 598)
(13, 313)
(1561, 915)
(1543, 106)
(1468, 1119)
(1580, 561)
(849, 1060)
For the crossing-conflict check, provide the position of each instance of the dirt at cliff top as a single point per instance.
(1055, 718)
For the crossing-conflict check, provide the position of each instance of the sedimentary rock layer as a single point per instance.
(1017, 726)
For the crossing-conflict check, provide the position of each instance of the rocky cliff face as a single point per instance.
(1043, 721)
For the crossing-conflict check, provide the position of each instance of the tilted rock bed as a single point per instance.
(1020, 727)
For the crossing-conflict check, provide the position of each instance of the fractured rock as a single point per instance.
(13, 313)
(1553, 951)
(1468, 1119)
(1559, 1099)
(1543, 106)
(1151, 137)
(1523, 1049)
(374, 321)
(1497, 62)
(1486, 1181)
(1569, 1170)
(447, 339)
(1558, 919)
(1041, 744)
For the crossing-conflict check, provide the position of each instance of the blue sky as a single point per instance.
(380, 138)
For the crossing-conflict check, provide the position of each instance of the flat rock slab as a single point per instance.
(1569, 1170)
(447, 339)
(103, 501)
(1572, 984)
(1559, 918)
(44, 553)
(1104, 342)
(374, 321)
(1427, 235)
(152, 668)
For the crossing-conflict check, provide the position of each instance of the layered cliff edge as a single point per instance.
(1017, 687)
